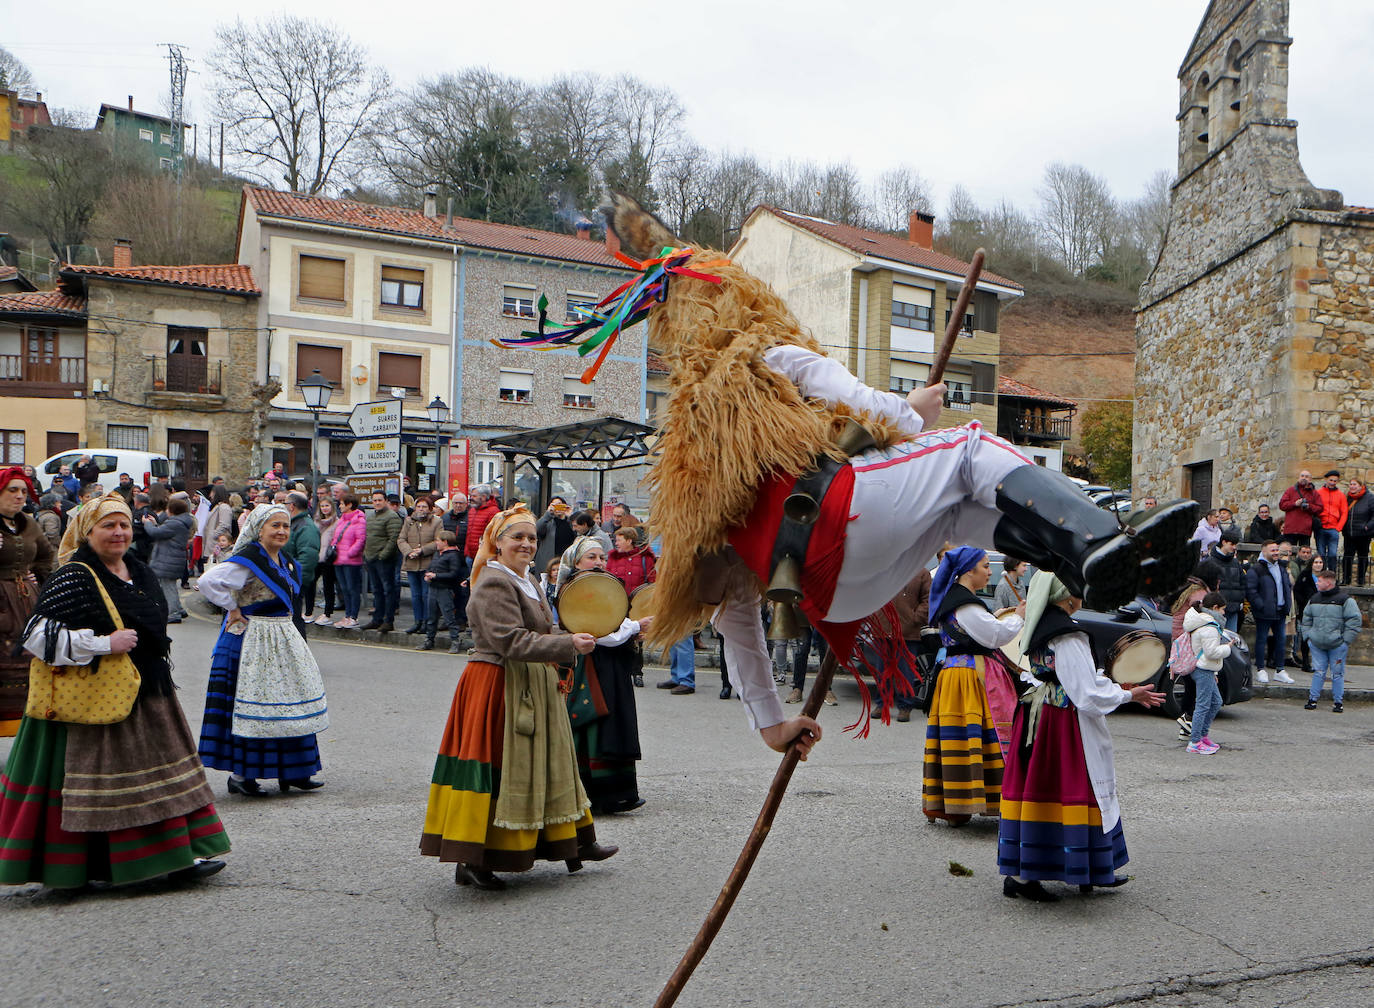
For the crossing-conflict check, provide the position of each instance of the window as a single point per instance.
(338, 457)
(517, 301)
(907, 375)
(165, 163)
(653, 403)
(321, 278)
(580, 305)
(403, 288)
(186, 370)
(62, 441)
(145, 135)
(960, 391)
(396, 370)
(967, 328)
(576, 394)
(189, 453)
(516, 386)
(166, 139)
(485, 468)
(328, 360)
(911, 307)
(126, 438)
(12, 447)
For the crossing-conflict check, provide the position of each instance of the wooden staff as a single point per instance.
(716, 917)
(956, 319)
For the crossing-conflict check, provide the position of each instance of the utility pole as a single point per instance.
(177, 66)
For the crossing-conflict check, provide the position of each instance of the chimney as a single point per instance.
(922, 230)
(39, 99)
(448, 217)
(612, 241)
(431, 203)
(131, 103)
(123, 256)
(584, 230)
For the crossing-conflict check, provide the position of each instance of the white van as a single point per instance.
(144, 467)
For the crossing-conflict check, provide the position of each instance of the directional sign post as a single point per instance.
(376, 419)
(375, 455)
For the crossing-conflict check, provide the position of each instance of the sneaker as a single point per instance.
(1207, 741)
(347, 624)
(1310, 705)
(1261, 677)
(1185, 726)
(324, 621)
(1201, 748)
(1283, 677)
(830, 699)
(795, 696)
(1336, 708)
(425, 645)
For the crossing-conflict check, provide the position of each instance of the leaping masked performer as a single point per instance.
(759, 416)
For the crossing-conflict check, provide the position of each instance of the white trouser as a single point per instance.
(909, 500)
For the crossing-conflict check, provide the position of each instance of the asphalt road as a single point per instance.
(1252, 877)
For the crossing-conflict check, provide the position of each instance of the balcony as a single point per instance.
(53, 377)
(1038, 427)
(189, 384)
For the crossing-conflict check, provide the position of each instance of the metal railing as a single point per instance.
(185, 377)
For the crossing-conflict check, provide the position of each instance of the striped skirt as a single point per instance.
(36, 841)
(1051, 826)
(962, 769)
(467, 780)
(294, 758)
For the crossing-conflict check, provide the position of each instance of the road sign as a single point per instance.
(376, 419)
(375, 455)
(365, 486)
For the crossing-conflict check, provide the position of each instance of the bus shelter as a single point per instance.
(598, 446)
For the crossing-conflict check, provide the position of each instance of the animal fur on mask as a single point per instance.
(731, 421)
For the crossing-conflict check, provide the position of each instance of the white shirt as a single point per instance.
(819, 377)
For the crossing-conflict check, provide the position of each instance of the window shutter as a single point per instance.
(322, 278)
(399, 371)
(984, 383)
(329, 361)
(985, 312)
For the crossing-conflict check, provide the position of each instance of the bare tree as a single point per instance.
(962, 227)
(576, 112)
(14, 74)
(59, 193)
(898, 193)
(684, 190)
(1148, 216)
(648, 121)
(298, 99)
(738, 185)
(1076, 215)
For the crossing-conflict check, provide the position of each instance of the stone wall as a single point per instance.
(128, 329)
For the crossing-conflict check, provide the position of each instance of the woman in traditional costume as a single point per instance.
(601, 703)
(505, 790)
(971, 712)
(111, 803)
(265, 702)
(26, 558)
(1060, 815)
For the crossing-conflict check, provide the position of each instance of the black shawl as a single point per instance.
(71, 598)
(956, 598)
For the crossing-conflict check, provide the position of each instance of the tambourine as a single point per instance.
(592, 602)
(1011, 650)
(1136, 657)
(642, 602)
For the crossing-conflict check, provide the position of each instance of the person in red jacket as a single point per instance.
(629, 561)
(483, 508)
(1335, 510)
(1300, 504)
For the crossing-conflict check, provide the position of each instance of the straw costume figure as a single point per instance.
(758, 417)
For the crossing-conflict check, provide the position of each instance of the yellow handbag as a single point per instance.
(102, 692)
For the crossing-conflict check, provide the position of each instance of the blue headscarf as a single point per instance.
(959, 560)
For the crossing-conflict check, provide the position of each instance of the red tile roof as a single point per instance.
(401, 221)
(42, 301)
(876, 243)
(8, 272)
(1360, 211)
(655, 364)
(1012, 387)
(231, 278)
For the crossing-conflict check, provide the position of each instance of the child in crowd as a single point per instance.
(1206, 621)
(445, 570)
(223, 546)
(549, 582)
(1330, 623)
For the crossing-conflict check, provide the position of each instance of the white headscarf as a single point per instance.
(252, 525)
(1045, 590)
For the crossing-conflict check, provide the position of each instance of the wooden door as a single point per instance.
(186, 362)
(189, 453)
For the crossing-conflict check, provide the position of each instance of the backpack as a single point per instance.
(1182, 659)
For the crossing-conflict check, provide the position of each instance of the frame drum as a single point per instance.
(642, 601)
(1136, 657)
(1011, 650)
(592, 602)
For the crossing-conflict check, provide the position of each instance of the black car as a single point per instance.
(1105, 629)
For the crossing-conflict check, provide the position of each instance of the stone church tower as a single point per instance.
(1255, 331)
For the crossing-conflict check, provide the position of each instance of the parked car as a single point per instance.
(144, 467)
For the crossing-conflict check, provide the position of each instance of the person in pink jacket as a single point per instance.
(349, 533)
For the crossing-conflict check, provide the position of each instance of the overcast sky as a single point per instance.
(984, 93)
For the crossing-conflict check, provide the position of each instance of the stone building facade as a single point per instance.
(1255, 331)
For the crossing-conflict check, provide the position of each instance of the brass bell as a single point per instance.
(786, 583)
(784, 624)
(801, 508)
(854, 439)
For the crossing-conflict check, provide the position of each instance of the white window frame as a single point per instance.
(166, 139)
(514, 306)
(576, 395)
(513, 386)
(486, 467)
(145, 135)
(579, 300)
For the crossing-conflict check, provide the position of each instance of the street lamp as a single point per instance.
(438, 413)
(316, 391)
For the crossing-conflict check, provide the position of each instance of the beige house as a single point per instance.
(389, 302)
(879, 303)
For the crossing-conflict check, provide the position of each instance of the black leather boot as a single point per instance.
(1050, 522)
